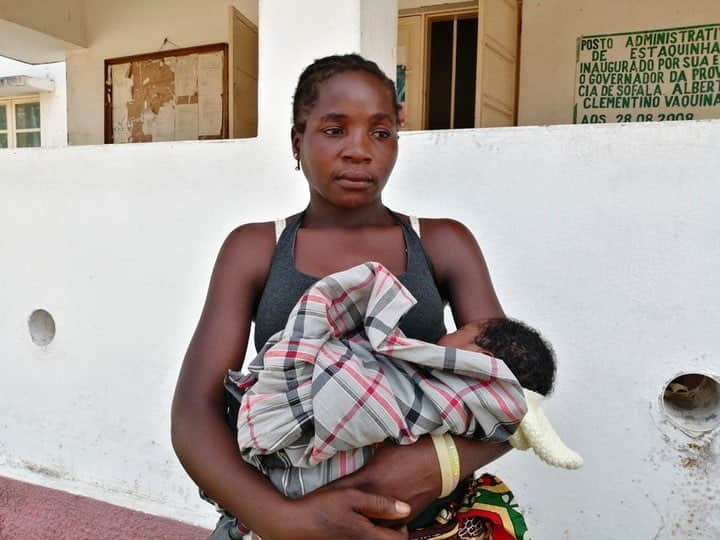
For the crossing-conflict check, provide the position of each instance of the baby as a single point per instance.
(342, 377)
(524, 351)
(532, 361)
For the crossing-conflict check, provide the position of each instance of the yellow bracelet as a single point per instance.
(441, 449)
(454, 458)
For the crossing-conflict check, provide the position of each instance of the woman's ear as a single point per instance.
(295, 140)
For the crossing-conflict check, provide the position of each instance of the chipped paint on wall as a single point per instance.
(690, 465)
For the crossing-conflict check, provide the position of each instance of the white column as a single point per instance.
(293, 34)
(378, 33)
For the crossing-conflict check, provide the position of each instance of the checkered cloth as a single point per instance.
(342, 376)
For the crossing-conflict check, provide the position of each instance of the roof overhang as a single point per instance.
(30, 46)
(20, 85)
(37, 32)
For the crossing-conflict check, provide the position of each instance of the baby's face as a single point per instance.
(463, 338)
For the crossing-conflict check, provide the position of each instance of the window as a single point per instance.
(20, 123)
(457, 64)
(451, 80)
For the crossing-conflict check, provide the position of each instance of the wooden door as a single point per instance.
(245, 76)
(496, 91)
(411, 39)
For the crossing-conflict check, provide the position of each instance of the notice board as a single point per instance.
(175, 95)
(647, 76)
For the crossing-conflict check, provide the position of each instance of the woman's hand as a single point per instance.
(409, 473)
(412, 473)
(330, 514)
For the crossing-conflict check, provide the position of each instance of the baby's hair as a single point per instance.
(524, 351)
(306, 92)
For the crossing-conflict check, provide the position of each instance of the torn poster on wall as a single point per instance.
(168, 96)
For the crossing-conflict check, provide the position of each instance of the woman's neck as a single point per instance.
(320, 214)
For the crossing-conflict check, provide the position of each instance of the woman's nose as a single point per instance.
(357, 148)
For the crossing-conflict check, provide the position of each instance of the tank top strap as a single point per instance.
(280, 224)
(415, 224)
(417, 261)
(285, 242)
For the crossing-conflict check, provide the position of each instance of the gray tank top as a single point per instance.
(285, 285)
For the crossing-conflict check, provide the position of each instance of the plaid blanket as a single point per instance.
(341, 376)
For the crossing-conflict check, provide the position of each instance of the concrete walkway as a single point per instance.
(29, 511)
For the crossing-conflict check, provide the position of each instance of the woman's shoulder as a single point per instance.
(444, 228)
(435, 226)
(449, 244)
(444, 235)
(249, 235)
(441, 235)
(256, 235)
(247, 251)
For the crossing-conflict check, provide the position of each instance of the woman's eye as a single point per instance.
(333, 131)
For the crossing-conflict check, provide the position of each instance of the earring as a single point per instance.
(297, 162)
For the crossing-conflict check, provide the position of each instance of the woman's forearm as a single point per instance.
(412, 473)
(476, 454)
(208, 452)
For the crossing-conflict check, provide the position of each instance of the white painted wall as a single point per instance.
(297, 34)
(53, 105)
(602, 236)
(378, 33)
(131, 27)
(368, 27)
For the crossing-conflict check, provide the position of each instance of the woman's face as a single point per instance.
(349, 146)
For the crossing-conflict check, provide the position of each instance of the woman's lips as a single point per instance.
(354, 180)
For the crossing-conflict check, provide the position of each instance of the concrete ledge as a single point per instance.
(18, 85)
(30, 511)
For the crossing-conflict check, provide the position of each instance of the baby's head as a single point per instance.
(524, 351)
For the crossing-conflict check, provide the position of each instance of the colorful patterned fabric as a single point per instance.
(487, 511)
(341, 376)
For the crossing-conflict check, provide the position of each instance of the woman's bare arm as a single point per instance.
(462, 273)
(460, 270)
(200, 435)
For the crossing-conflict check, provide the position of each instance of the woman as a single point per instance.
(344, 137)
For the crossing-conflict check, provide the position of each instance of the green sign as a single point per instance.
(648, 76)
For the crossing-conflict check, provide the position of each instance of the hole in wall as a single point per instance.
(42, 327)
(691, 401)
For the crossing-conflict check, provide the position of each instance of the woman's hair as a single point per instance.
(524, 351)
(306, 92)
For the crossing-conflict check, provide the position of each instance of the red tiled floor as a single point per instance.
(33, 512)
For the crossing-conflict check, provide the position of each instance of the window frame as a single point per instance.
(8, 123)
(430, 14)
(11, 130)
(490, 44)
